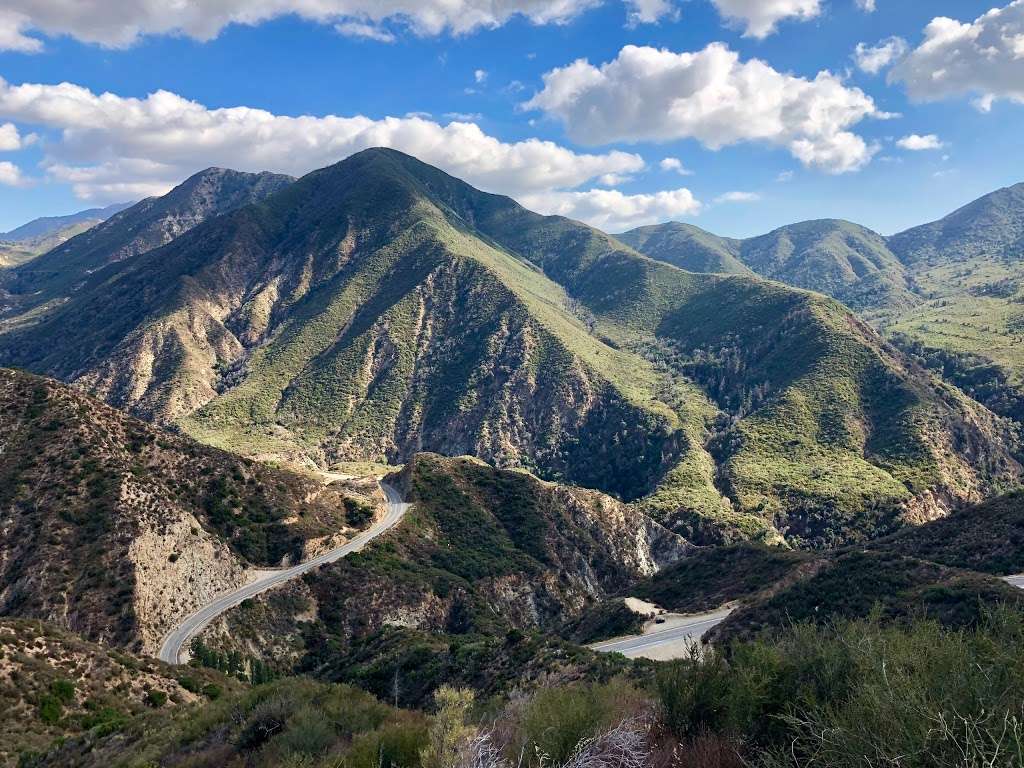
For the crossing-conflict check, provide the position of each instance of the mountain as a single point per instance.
(969, 269)
(687, 247)
(40, 228)
(379, 307)
(113, 529)
(38, 236)
(990, 227)
(139, 228)
(834, 257)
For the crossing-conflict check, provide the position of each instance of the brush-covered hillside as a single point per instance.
(483, 558)
(380, 307)
(54, 686)
(949, 293)
(114, 529)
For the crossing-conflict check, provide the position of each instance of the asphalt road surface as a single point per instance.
(675, 640)
(177, 640)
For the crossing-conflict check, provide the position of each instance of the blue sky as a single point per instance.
(74, 149)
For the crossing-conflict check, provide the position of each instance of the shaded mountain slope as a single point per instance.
(140, 228)
(380, 307)
(112, 528)
(988, 537)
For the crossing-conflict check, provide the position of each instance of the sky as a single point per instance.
(738, 116)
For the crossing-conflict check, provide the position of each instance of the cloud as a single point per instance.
(868, 6)
(873, 59)
(676, 165)
(784, 177)
(647, 94)
(614, 211)
(123, 23)
(110, 147)
(983, 58)
(760, 17)
(917, 143)
(650, 11)
(480, 76)
(738, 197)
(365, 31)
(10, 175)
(463, 117)
(10, 139)
(12, 33)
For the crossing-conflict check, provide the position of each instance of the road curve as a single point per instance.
(689, 630)
(176, 641)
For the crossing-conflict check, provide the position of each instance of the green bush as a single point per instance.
(63, 690)
(555, 720)
(155, 698)
(908, 696)
(50, 709)
(393, 745)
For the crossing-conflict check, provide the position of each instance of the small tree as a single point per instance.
(449, 734)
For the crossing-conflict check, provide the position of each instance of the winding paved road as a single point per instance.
(675, 640)
(177, 640)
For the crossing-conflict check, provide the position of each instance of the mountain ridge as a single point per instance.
(379, 307)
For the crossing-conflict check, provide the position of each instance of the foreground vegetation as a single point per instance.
(847, 694)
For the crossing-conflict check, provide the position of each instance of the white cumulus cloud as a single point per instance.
(10, 175)
(110, 147)
(868, 6)
(10, 139)
(761, 17)
(874, 58)
(649, 94)
(614, 211)
(983, 58)
(917, 143)
(122, 23)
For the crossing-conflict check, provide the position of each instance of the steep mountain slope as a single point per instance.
(380, 307)
(46, 226)
(837, 258)
(140, 228)
(113, 529)
(687, 247)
